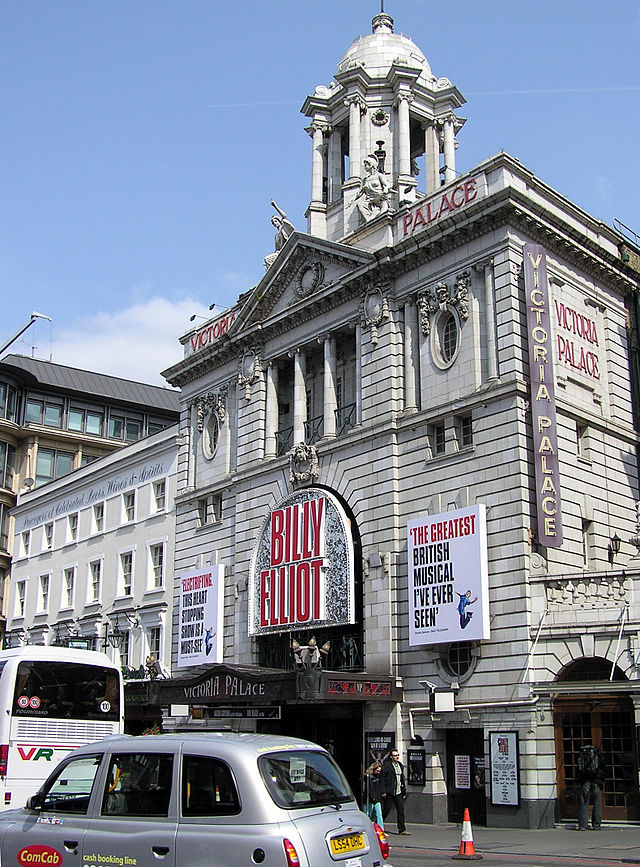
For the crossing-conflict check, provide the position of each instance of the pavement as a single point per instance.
(613, 842)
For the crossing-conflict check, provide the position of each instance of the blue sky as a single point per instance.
(143, 140)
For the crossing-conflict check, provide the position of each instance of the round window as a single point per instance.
(445, 338)
(457, 661)
(210, 435)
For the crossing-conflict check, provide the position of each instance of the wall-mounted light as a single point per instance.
(613, 548)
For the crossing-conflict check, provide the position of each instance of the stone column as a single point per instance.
(432, 158)
(335, 166)
(299, 396)
(317, 162)
(411, 357)
(359, 373)
(355, 107)
(192, 446)
(449, 149)
(404, 138)
(271, 425)
(330, 405)
(486, 269)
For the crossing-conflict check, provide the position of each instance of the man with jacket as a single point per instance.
(591, 772)
(394, 789)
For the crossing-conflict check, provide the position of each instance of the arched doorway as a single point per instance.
(606, 719)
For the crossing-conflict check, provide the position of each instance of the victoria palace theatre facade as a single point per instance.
(407, 479)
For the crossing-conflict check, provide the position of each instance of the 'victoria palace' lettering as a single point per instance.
(543, 403)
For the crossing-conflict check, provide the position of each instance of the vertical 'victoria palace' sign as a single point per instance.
(543, 401)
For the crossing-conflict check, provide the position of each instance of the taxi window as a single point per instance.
(208, 788)
(302, 778)
(138, 784)
(70, 789)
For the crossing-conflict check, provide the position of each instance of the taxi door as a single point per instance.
(55, 832)
(134, 822)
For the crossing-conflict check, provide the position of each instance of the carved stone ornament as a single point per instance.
(208, 403)
(308, 279)
(375, 311)
(304, 467)
(379, 117)
(250, 369)
(443, 297)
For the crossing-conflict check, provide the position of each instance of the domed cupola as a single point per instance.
(382, 120)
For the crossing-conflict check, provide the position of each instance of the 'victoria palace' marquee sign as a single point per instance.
(302, 569)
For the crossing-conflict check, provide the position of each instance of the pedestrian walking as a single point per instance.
(374, 793)
(394, 789)
(591, 775)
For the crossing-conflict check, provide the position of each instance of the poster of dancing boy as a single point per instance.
(448, 583)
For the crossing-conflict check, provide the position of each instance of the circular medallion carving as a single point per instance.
(309, 278)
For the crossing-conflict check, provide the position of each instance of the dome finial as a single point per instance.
(382, 21)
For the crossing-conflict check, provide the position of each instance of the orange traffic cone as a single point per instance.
(467, 852)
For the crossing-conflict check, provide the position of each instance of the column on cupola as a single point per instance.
(411, 356)
(486, 269)
(449, 149)
(432, 157)
(271, 421)
(334, 168)
(404, 136)
(299, 396)
(355, 108)
(317, 212)
(330, 403)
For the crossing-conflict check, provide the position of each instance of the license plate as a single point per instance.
(348, 843)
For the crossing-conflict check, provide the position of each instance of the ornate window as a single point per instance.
(211, 435)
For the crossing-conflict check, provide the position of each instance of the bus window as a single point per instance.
(64, 690)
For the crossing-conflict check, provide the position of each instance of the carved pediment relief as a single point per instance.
(444, 296)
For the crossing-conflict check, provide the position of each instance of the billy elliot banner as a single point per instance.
(302, 573)
(448, 579)
(200, 595)
(543, 400)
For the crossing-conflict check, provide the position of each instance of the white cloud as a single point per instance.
(135, 343)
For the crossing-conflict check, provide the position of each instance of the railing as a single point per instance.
(345, 418)
(313, 429)
(346, 652)
(284, 440)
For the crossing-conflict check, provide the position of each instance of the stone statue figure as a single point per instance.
(373, 198)
(284, 230)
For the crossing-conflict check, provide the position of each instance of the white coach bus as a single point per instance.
(52, 699)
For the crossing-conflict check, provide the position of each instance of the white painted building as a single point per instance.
(420, 359)
(93, 556)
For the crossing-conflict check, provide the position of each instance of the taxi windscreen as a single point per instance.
(303, 778)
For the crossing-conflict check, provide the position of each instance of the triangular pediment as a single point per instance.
(305, 268)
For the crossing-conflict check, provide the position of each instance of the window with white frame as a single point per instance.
(43, 594)
(48, 536)
(125, 648)
(95, 577)
(210, 510)
(129, 506)
(68, 585)
(21, 595)
(156, 565)
(25, 543)
(98, 517)
(126, 572)
(464, 430)
(160, 495)
(153, 640)
(437, 441)
(72, 526)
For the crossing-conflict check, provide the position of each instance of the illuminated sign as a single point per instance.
(435, 208)
(210, 333)
(543, 400)
(302, 569)
(448, 584)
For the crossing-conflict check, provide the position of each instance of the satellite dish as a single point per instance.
(29, 482)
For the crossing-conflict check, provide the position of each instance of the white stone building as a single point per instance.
(379, 374)
(93, 556)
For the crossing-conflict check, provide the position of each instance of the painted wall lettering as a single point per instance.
(430, 211)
